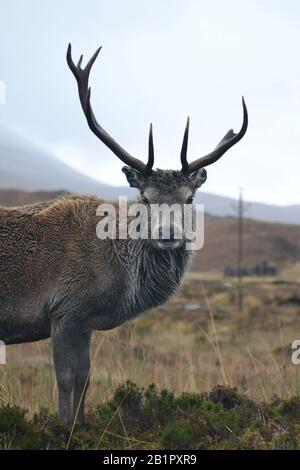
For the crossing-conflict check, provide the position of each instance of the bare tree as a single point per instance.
(241, 208)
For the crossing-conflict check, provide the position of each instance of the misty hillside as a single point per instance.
(26, 167)
(278, 244)
(226, 206)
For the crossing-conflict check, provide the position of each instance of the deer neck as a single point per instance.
(153, 275)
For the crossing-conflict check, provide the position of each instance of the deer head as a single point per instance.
(155, 186)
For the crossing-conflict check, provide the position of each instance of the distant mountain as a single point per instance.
(226, 206)
(25, 167)
(278, 244)
(17, 197)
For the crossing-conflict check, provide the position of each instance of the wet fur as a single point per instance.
(52, 264)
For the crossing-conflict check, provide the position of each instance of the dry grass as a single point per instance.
(193, 343)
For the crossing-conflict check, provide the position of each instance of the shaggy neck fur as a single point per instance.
(154, 274)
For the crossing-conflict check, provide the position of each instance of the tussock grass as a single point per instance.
(191, 345)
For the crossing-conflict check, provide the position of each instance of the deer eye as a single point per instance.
(189, 200)
(145, 200)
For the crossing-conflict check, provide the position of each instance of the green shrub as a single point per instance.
(15, 431)
(175, 437)
(157, 419)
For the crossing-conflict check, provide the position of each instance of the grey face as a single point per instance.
(166, 187)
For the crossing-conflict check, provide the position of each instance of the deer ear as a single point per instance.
(134, 178)
(198, 178)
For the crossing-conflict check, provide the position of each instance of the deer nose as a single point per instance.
(168, 235)
(167, 238)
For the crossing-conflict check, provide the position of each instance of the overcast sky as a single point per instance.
(161, 61)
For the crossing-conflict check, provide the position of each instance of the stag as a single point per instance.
(58, 280)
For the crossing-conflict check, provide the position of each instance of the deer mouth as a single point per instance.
(169, 244)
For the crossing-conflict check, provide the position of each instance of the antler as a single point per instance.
(228, 141)
(82, 78)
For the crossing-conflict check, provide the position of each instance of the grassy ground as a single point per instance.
(191, 345)
(150, 419)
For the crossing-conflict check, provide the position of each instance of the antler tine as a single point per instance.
(82, 78)
(150, 150)
(70, 62)
(80, 61)
(225, 144)
(183, 154)
(81, 74)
